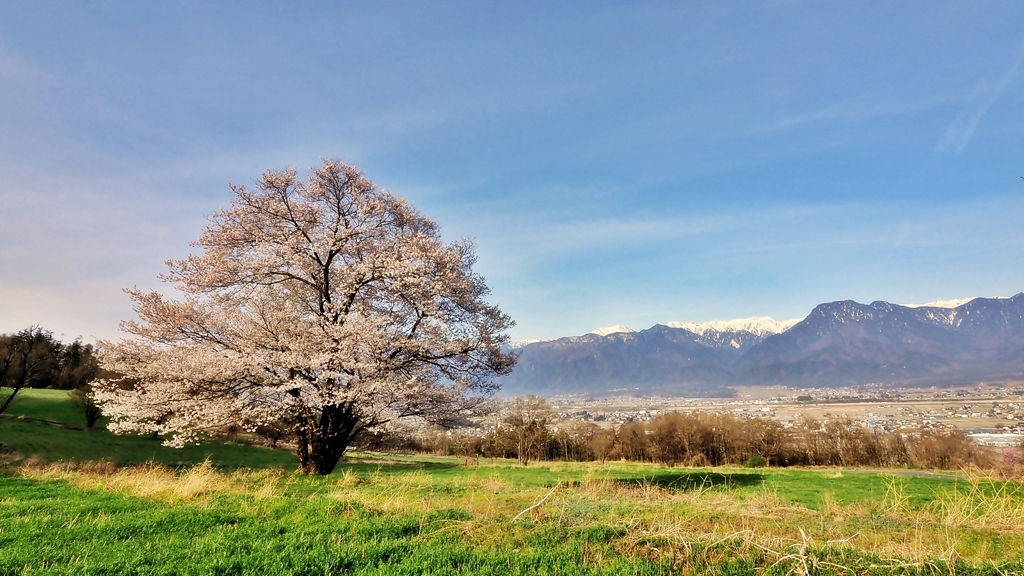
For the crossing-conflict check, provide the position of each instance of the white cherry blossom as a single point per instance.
(327, 304)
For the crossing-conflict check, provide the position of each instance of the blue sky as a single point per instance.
(616, 162)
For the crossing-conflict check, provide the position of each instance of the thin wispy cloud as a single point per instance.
(980, 100)
(541, 244)
(867, 225)
(668, 264)
(16, 69)
(841, 112)
(858, 109)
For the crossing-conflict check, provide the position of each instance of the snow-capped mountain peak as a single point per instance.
(527, 342)
(956, 303)
(759, 326)
(612, 330)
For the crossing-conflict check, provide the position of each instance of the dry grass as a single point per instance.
(160, 482)
(985, 503)
(714, 522)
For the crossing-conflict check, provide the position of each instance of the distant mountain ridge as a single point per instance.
(839, 343)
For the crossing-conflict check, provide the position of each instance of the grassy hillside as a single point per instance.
(245, 512)
(44, 424)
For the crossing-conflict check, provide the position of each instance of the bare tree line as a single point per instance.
(527, 432)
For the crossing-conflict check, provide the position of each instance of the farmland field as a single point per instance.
(74, 501)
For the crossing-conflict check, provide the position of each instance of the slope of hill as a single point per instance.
(44, 424)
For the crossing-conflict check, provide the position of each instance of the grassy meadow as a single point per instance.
(75, 501)
(44, 424)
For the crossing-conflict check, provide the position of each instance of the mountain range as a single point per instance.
(840, 343)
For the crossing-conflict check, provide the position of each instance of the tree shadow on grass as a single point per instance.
(695, 480)
(379, 465)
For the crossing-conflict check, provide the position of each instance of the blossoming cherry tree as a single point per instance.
(324, 304)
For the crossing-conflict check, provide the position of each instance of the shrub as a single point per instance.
(945, 450)
(755, 462)
(83, 401)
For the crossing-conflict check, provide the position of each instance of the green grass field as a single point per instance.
(234, 509)
(44, 424)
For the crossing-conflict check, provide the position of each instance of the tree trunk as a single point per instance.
(523, 450)
(323, 437)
